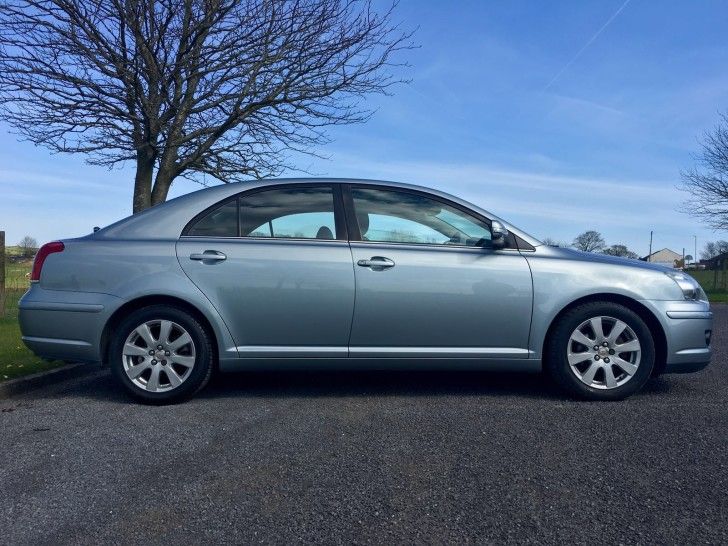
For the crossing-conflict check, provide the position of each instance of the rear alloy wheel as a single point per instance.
(158, 355)
(601, 351)
(161, 354)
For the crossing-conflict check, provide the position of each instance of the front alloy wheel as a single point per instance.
(603, 352)
(600, 351)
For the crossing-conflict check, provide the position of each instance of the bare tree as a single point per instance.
(28, 246)
(713, 249)
(589, 241)
(707, 181)
(193, 88)
(708, 251)
(550, 241)
(620, 250)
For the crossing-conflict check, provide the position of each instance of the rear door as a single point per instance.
(428, 282)
(276, 264)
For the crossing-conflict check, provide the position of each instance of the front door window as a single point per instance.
(389, 216)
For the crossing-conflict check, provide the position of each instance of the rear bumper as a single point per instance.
(688, 331)
(63, 325)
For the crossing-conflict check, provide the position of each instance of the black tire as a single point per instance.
(557, 346)
(198, 376)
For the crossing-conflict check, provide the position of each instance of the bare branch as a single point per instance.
(707, 182)
(194, 88)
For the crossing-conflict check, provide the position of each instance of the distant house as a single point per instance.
(716, 262)
(663, 257)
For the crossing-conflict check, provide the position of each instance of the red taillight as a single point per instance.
(43, 253)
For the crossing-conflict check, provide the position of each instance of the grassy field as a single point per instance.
(15, 358)
(714, 283)
(16, 282)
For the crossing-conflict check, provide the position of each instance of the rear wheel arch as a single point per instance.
(129, 307)
(643, 312)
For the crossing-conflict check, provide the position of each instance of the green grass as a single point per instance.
(12, 250)
(15, 358)
(16, 282)
(715, 284)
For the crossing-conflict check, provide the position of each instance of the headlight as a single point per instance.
(689, 286)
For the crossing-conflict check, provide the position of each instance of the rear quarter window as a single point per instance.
(221, 222)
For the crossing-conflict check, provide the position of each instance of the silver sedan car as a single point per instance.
(339, 273)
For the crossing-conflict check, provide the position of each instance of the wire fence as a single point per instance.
(17, 280)
(15, 266)
(716, 279)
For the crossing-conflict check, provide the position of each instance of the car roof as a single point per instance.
(166, 221)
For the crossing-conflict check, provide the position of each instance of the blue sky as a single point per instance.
(599, 147)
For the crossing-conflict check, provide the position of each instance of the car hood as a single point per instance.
(580, 256)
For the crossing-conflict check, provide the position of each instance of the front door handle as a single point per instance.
(208, 256)
(376, 263)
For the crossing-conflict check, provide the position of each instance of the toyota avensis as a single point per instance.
(352, 273)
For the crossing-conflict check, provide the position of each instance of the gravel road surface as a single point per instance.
(369, 458)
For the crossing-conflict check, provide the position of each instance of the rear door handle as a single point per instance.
(208, 256)
(376, 263)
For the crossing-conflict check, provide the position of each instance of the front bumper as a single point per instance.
(688, 327)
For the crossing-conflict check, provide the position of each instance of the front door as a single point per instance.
(276, 264)
(429, 285)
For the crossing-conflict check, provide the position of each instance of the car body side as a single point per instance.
(87, 289)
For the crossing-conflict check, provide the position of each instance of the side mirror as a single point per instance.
(498, 234)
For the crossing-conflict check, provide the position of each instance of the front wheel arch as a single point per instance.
(133, 305)
(658, 333)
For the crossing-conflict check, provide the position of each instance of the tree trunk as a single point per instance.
(2, 273)
(162, 183)
(143, 180)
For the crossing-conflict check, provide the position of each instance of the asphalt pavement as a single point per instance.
(369, 458)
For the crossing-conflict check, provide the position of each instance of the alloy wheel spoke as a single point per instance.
(580, 337)
(134, 350)
(181, 341)
(186, 361)
(576, 358)
(609, 378)
(174, 379)
(617, 330)
(628, 367)
(146, 334)
(137, 370)
(153, 383)
(588, 376)
(165, 328)
(596, 324)
(628, 347)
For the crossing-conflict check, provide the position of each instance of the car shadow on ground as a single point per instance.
(380, 383)
(395, 383)
(332, 384)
